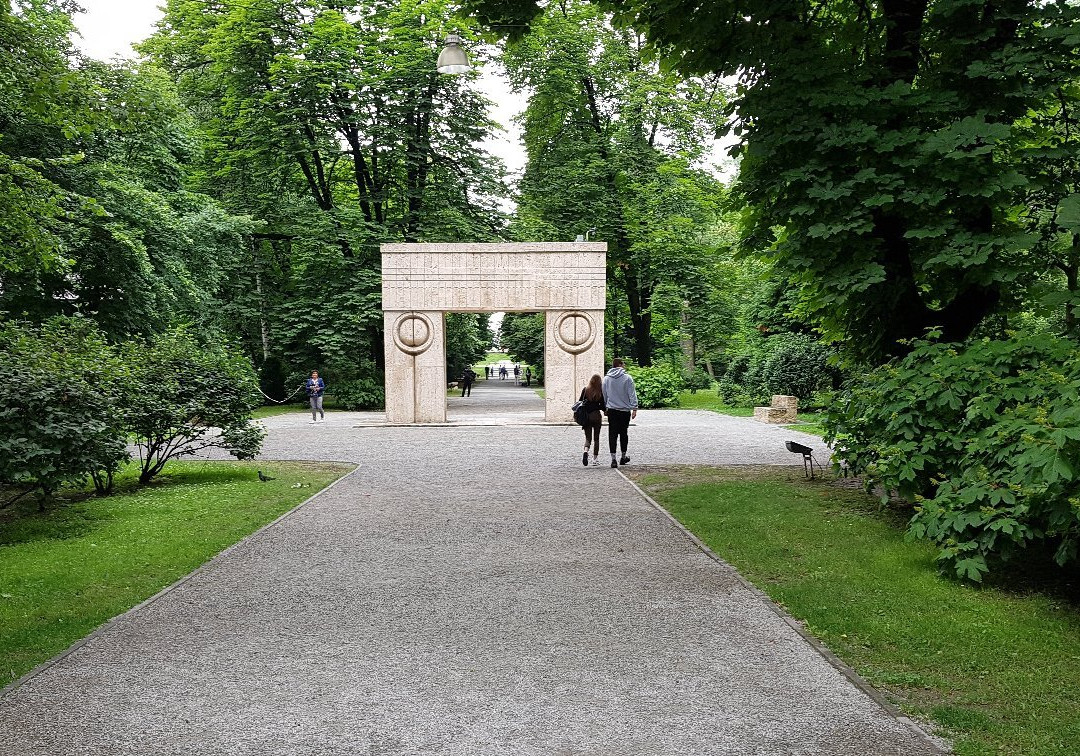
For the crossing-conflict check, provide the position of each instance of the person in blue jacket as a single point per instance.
(315, 389)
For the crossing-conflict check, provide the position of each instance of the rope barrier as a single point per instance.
(286, 399)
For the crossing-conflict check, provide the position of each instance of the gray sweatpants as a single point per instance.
(316, 406)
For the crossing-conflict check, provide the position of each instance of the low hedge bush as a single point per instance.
(796, 365)
(657, 386)
(361, 394)
(60, 419)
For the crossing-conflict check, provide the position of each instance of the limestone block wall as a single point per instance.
(422, 282)
(782, 409)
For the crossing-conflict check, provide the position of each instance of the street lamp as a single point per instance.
(452, 59)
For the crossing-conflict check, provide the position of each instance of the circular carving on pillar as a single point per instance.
(574, 332)
(413, 333)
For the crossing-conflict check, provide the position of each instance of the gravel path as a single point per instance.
(468, 590)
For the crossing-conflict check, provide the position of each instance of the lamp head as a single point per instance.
(452, 59)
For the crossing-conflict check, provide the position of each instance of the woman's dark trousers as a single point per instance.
(592, 435)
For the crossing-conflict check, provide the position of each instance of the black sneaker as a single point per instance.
(614, 463)
(625, 459)
(585, 458)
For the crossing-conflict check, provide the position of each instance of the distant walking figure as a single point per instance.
(517, 374)
(621, 399)
(528, 376)
(502, 372)
(315, 389)
(467, 379)
(487, 372)
(593, 396)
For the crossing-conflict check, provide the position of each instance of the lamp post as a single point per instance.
(452, 59)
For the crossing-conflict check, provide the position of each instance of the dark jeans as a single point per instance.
(618, 421)
(466, 389)
(592, 433)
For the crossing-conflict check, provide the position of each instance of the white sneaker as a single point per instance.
(310, 422)
(595, 461)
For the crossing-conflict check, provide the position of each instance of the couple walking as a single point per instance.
(617, 397)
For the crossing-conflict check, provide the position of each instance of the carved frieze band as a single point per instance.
(491, 281)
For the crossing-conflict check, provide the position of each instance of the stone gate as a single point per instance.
(422, 282)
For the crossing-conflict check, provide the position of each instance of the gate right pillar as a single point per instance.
(573, 353)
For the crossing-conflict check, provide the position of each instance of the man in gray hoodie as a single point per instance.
(620, 396)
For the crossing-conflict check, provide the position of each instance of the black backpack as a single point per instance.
(581, 416)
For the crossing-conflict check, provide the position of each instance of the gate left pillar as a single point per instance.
(415, 350)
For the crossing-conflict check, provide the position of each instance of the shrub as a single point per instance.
(728, 391)
(795, 364)
(985, 440)
(59, 422)
(182, 397)
(697, 380)
(737, 368)
(657, 386)
(364, 393)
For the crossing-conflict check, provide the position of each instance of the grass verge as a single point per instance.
(708, 400)
(277, 409)
(66, 571)
(492, 358)
(300, 408)
(809, 422)
(998, 671)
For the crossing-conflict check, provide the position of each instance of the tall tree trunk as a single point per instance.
(418, 158)
(264, 331)
(638, 293)
(686, 339)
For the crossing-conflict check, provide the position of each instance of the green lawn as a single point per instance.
(68, 570)
(706, 399)
(491, 358)
(998, 670)
(301, 408)
(278, 409)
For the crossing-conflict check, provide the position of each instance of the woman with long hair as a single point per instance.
(593, 396)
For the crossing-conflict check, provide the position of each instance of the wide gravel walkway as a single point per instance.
(468, 590)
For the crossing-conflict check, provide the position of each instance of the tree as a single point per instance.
(613, 143)
(1050, 156)
(330, 126)
(40, 111)
(879, 138)
(98, 220)
(522, 336)
(468, 338)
